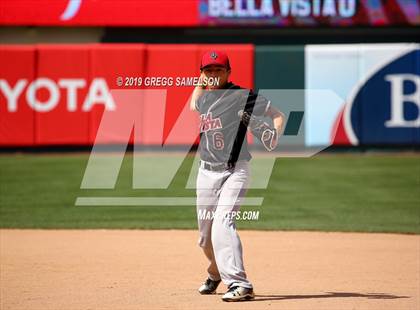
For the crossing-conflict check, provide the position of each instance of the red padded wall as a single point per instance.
(61, 125)
(171, 61)
(76, 124)
(112, 61)
(17, 63)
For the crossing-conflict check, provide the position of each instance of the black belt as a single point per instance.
(217, 167)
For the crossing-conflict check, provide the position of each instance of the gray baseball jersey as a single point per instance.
(222, 135)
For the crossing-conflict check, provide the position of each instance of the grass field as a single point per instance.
(343, 192)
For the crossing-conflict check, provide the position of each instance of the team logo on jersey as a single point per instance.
(213, 55)
(207, 122)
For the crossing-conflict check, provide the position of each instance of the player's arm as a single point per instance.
(197, 92)
(277, 117)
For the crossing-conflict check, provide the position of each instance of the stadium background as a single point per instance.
(46, 47)
(92, 43)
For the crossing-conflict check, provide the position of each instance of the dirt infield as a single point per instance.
(117, 269)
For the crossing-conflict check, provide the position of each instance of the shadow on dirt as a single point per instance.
(328, 295)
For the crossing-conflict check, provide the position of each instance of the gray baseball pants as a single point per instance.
(219, 193)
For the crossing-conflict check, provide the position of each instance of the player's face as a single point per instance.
(217, 72)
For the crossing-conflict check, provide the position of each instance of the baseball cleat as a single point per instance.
(209, 287)
(237, 293)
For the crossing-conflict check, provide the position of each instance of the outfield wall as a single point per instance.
(56, 94)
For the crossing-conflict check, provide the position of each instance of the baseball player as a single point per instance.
(226, 112)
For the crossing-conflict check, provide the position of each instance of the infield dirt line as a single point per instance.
(162, 269)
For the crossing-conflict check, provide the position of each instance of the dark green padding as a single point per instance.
(279, 67)
(293, 123)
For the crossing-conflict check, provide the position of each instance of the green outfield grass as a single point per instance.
(344, 192)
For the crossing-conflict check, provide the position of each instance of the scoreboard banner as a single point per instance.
(151, 13)
(310, 13)
(196, 13)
